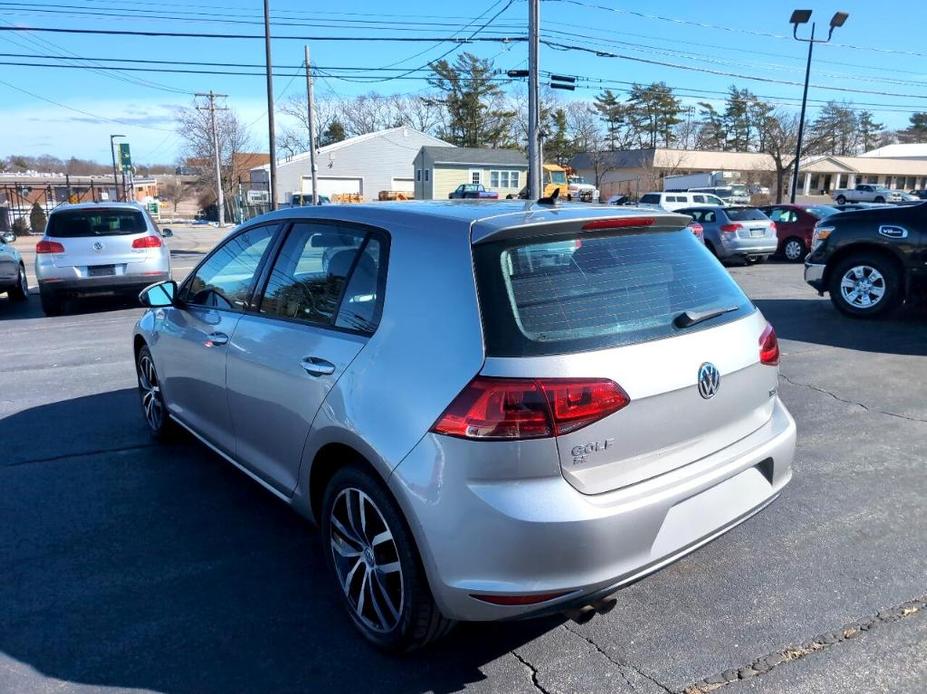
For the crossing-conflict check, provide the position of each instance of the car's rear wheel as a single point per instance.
(793, 249)
(51, 304)
(374, 561)
(154, 408)
(864, 286)
(841, 200)
(879, 199)
(21, 291)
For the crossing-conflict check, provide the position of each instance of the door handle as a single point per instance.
(317, 367)
(216, 339)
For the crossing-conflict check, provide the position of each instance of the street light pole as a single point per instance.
(112, 151)
(534, 92)
(802, 17)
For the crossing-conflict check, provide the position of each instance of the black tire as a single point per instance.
(757, 259)
(879, 199)
(51, 304)
(154, 409)
(21, 291)
(711, 247)
(841, 200)
(878, 273)
(418, 620)
(793, 249)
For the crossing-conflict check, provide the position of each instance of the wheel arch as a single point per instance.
(866, 249)
(330, 458)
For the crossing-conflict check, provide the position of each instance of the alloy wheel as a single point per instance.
(862, 286)
(793, 250)
(152, 403)
(366, 560)
(23, 282)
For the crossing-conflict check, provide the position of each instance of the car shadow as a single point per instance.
(161, 567)
(20, 310)
(816, 321)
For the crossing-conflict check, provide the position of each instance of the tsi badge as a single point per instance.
(581, 453)
(709, 380)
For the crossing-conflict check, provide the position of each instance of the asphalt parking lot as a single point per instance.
(129, 565)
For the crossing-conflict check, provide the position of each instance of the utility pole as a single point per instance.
(311, 120)
(534, 93)
(270, 108)
(112, 151)
(212, 108)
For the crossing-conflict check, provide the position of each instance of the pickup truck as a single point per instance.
(863, 192)
(871, 260)
(472, 191)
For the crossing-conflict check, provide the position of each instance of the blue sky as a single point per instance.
(878, 50)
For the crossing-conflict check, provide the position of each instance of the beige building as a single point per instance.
(634, 172)
(439, 170)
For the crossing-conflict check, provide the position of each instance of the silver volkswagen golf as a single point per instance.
(493, 411)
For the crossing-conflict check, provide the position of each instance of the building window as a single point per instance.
(426, 174)
(418, 175)
(513, 179)
(476, 177)
(503, 179)
(493, 179)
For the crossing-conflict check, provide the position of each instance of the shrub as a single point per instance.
(37, 219)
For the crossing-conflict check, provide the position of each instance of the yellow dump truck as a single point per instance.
(554, 177)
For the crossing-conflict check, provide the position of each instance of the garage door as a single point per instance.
(334, 186)
(404, 184)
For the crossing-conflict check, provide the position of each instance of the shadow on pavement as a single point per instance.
(15, 310)
(817, 321)
(163, 568)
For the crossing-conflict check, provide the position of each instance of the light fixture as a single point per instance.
(800, 17)
(838, 19)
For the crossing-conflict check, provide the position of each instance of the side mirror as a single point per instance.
(159, 295)
(7, 237)
(167, 233)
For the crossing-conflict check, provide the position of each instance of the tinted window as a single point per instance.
(362, 303)
(708, 217)
(600, 292)
(698, 198)
(745, 214)
(225, 279)
(712, 200)
(96, 222)
(651, 199)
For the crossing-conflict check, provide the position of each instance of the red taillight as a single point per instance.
(772, 225)
(49, 247)
(516, 408)
(696, 229)
(769, 347)
(618, 223)
(518, 599)
(147, 242)
(730, 228)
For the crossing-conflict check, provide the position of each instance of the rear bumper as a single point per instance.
(88, 286)
(540, 535)
(814, 275)
(759, 246)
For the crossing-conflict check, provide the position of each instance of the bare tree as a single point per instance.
(583, 124)
(195, 130)
(295, 139)
(780, 137)
(171, 189)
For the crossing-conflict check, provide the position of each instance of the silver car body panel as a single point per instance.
(10, 260)
(488, 516)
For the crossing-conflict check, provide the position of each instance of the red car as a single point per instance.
(794, 226)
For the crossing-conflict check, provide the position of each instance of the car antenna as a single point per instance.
(551, 199)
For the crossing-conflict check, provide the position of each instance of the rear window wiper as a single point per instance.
(687, 319)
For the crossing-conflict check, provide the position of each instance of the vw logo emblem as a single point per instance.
(709, 380)
(97, 246)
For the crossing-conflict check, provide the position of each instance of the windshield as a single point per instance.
(740, 190)
(96, 222)
(577, 292)
(557, 176)
(577, 179)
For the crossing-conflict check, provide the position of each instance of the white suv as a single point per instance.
(99, 249)
(677, 201)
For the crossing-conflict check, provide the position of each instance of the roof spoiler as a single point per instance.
(650, 220)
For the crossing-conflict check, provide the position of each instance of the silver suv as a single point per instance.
(493, 412)
(99, 248)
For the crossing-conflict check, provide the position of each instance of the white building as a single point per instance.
(362, 165)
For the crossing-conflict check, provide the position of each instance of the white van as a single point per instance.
(676, 201)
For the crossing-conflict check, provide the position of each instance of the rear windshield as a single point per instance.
(650, 198)
(581, 292)
(96, 222)
(744, 214)
(821, 211)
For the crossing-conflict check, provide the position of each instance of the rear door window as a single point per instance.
(651, 199)
(96, 222)
(595, 292)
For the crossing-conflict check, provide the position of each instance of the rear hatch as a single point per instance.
(753, 223)
(646, 307)
(99, 236)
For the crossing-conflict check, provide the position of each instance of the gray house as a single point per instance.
(439, 170)
(362, 165)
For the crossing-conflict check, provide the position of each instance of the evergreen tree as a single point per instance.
(333, 133)
(654, 112)
(870, 132)
(917, 131)
(613, 114)
(559, 147)
(737, 119)
(712, 134)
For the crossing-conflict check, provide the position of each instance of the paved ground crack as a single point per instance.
(533, 670)
(850, 402)
(824, 641)
(82, 454)
(620, 665)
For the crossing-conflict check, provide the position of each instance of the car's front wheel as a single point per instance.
(841, 200)
(374, 561)
(793, 249)
(21, 291)
(864, 286)
(154, 408)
